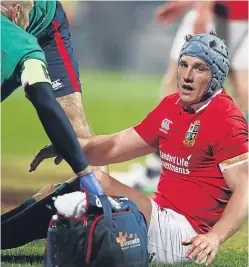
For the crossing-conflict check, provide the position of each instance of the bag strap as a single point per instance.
(107, 208)
(132, 206)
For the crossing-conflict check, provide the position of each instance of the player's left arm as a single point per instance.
(236, 211)
(230, 146)
(233, 217)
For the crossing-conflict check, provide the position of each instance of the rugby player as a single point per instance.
(202, 196)
(48, 23)
(230, 18)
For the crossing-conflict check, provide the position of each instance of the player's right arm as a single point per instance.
(104, 149)
(118, 147)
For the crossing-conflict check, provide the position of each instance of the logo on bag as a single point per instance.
(191, 134)
(128, 240)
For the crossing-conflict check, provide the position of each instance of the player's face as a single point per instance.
(20, 14)
(193, 78)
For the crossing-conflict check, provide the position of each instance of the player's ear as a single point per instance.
(16, 13)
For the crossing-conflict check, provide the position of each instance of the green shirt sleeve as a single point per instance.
(17, 46)
(41, 16)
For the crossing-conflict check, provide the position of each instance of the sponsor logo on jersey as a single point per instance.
(175, 163)
(165, 125)
(127, 241)
(57, 84)
(191, 134)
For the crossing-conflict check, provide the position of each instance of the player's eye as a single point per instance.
(200, 69)
(183, 64)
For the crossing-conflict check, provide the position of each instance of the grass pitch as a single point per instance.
(31, 255)
(113, 102)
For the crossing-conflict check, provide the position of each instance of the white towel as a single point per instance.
(72, 204)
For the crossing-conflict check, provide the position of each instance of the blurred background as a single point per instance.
(123, 53)
(119, 35)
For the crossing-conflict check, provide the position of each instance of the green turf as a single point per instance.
(225, 258)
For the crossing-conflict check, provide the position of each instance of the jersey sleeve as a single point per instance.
(231, 138)
(148, 128)
(17, 46)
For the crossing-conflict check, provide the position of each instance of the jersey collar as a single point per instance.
(200, 106)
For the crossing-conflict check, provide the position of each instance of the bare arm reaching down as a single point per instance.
(105, 149)
(72, 105)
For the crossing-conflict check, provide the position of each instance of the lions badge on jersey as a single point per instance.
(191, 134)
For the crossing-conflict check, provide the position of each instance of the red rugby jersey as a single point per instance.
(237, 10)
(191, 147)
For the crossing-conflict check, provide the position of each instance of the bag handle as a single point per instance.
(132, 206)
(107, 208)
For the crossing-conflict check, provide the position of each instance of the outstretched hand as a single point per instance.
(45, 153)
(203, 246)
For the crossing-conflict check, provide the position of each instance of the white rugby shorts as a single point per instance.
(166, 232)
(237, 40)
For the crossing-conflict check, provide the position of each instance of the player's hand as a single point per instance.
(169, 12)
(45, 153)
(202, 246)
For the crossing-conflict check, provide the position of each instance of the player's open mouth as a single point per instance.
(187, 87)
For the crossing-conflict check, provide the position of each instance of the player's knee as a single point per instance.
(242, 97)
(169, 85)
(169, 81)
